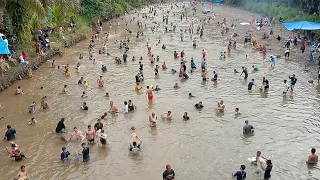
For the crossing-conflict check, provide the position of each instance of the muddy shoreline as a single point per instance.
(20, 72)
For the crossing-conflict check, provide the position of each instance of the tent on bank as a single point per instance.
(218, 1)
(4, 49)
(301, 25)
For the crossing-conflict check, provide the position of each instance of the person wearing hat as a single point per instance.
(60, 126)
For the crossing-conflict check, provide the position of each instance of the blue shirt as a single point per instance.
(250, 85)
(64, 155)
(86, 154)
(203, 63)
(240, 175)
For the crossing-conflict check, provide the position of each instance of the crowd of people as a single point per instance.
(97, 134)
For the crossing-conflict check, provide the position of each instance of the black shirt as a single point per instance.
(141, 67)
(60, 126)
(10, 134)
(266, 84)
(85, 108)
(168, 175)
(267, 173)
(215, 77)
(98, 126)
(198, 106)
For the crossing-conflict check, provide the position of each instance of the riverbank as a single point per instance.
(20, 72)
(274, 46)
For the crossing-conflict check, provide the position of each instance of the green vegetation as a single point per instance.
(289, 10)
(20, 19)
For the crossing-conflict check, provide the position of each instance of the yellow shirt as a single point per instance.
(86, 84)
(68, 73)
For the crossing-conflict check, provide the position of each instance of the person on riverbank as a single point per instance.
(90, 135)
(247, 128)
(168, 174)
(60, 126)
(313, 158)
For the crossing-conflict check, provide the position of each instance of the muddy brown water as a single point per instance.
(208, 146)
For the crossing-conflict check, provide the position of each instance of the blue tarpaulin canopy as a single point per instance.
(301, 25)
(218, 1)
(4, 49)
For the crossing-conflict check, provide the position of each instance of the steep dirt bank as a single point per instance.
(16, 73)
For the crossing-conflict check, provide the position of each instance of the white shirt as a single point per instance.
(126, 109)
(286, 87)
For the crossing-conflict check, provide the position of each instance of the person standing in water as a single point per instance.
(168, 174)
(313, 158)
(100, 81)
(245, 72)
(149, 93)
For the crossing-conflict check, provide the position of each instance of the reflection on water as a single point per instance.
(209, 145)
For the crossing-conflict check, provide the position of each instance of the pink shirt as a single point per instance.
(77, 134)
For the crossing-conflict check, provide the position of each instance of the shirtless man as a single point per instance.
(22, 175)
(44, 104)
(90, 135)
(313, 158)
(149, 93)
(100, 81)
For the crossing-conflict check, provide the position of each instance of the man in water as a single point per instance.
(10, 134)
(60, 126)
(313, 158)
(85, 152)
(90, 135)
(293, 80)
(286, 87)
(215, 76)
(98, 125)
(247, 128)
(265, 83)
(134, 147)
(100, 81)
(245, 72)
(198, 105)
(168, 174)
(240, 175)
(250, 84)
(64, 154)
(149, 93)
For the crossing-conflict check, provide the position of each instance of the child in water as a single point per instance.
(237, 110)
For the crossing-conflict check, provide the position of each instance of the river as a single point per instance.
(208, 146)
